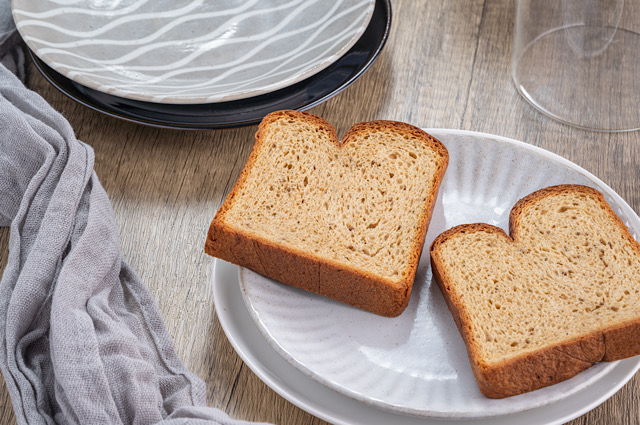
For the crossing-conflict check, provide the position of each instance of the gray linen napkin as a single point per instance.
(81, 338)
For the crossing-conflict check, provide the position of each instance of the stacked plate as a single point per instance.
(198, 64)
(352, 367)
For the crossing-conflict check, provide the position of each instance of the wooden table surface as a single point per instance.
(446, 64)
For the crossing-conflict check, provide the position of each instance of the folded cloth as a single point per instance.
(82, 340)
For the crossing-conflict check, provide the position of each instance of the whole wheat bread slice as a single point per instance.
(539, 306)
(346, 220)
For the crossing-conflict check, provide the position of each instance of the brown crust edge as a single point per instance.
(332, 279)
(549, 365)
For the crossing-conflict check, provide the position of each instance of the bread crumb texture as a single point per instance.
(363, 203)
(572, 270)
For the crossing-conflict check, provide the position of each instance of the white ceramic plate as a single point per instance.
(417, 363)
(190, 51)
(331, 406)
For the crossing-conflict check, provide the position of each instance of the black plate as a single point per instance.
(303, 95)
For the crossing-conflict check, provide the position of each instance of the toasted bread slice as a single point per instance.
(346, 220)
(539, 306)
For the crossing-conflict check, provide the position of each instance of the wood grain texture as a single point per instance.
(446, 64)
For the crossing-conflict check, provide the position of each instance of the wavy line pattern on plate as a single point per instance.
(148, 38)
(191, 51)
(242, 63)
(417, 363)
(108, 25)
(81, 11)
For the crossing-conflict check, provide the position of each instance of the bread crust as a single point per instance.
(337, 280)
(547, 365)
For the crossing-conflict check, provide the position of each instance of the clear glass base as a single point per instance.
(584, 76)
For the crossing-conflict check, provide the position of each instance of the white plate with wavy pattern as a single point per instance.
(190, 51)
(417, 363)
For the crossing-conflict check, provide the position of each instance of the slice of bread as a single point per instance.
(346, 220)
(539, 306)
